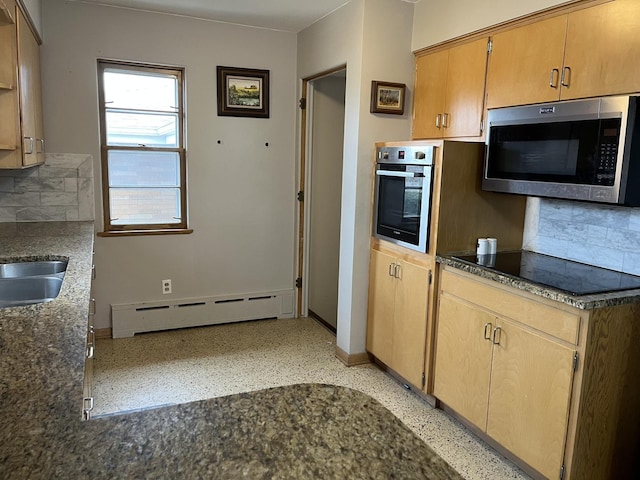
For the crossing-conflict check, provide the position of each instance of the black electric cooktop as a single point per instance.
(570, 277)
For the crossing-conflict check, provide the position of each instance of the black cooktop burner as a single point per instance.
(570, 277)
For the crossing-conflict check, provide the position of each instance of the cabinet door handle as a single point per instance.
(30, 145)
(87, 406)
(445, 120)
(392, 268)
(487, 331)
(41, 142)
(553, 78)
(566, 77)
(497, 334)
(438, 120)
(92, 307)
(397, 272)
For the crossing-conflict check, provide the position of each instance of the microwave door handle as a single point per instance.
(388, 173)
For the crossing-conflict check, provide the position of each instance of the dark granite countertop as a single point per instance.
(583, 302)
(294, 432)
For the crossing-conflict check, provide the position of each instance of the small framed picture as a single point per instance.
(387, 97)
(243, 92)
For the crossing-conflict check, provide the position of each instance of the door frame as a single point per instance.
(306, 143)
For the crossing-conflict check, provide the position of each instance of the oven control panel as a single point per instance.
(419, 155)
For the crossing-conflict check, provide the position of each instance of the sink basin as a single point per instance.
(29, 282)
(28, 290)
(29, 269)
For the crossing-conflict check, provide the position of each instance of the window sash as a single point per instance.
(111, 222)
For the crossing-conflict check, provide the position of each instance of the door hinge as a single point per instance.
(299, 282)
(575, 361)
(490, 46)
(430, 280)
(424, 380)
(481, 126)
(562, 472)
(301, 196)
(303, 103)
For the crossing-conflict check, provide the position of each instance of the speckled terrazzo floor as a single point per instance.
(192, 364)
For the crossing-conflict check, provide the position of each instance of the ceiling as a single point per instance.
(287, 15)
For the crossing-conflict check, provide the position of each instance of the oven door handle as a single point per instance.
(391, 173)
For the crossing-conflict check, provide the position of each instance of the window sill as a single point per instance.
(132, 233)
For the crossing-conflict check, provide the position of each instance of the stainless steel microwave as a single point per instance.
(580, 150)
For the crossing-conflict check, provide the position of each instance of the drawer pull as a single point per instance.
(487, 331)
(566, 77)
(497, 334)
(553, 79)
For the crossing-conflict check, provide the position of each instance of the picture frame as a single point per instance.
(243, 92)
(387, 97)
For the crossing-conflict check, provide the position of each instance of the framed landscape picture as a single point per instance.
(387, 97)
(243, 92)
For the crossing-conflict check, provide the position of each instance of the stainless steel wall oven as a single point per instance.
(402, 206)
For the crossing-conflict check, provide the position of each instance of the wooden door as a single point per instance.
(464, 103)
(381, 306)
(531, 381)
(525, 64)
(463, 358)
(429, 95)
(28, 72)
(602, 50)
(410, 321)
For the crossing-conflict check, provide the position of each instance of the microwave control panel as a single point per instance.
(607, 154)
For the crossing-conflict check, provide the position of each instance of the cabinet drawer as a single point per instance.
(504, 301)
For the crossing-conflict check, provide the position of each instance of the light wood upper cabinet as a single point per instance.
(586, 53)
(21, 119)
(397, 317)
(449, 93)
(30, 95)
(525, 64)
(602, 50)
(430, 91)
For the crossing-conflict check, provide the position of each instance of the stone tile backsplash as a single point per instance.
(601, 235)
(59, 190)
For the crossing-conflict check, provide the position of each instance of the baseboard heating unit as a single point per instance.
(131, 318)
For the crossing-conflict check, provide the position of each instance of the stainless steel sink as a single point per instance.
(30, 269)
(26, 283)
(28, 290)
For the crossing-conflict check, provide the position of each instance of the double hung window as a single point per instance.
(142, 148)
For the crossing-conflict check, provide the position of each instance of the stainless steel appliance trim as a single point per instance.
(421, 156)
(566, 111)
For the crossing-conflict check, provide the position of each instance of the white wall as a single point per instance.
(438, 20)
(324, 194)
(372, 37)
(241, 193)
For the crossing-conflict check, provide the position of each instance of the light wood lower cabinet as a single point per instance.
(536, 376)
(397, 318)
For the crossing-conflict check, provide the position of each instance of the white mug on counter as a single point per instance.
(482, 248)
(487, 246)
(493, 245)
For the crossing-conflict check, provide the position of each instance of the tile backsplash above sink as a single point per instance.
(59, 190)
